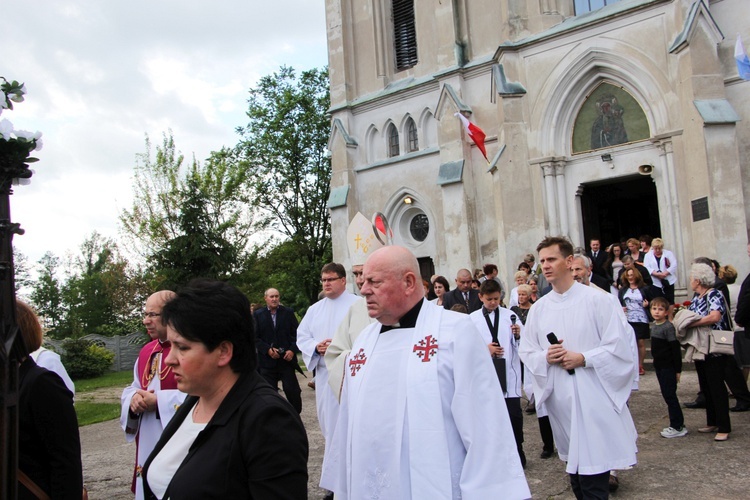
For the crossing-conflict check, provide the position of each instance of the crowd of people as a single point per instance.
(406, 407)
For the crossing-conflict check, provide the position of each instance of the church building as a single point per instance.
(603, 119)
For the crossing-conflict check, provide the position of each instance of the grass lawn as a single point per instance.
(109, 379)
(90, 411)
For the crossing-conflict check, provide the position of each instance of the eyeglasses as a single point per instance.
(151, 315)
(330, 280)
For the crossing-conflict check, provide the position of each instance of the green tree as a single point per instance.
(46, 292)
(102, 294)
(200, 250)
(284, 144)
(152, 220)
(184, 217)
(21, 271)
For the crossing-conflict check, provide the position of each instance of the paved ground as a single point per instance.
(693, 467)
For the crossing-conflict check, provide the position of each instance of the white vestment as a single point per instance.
(320, 323)
(149, 426)
(354, 322)
(51, 361)
(590, 420)
(507, 341)
(423, 421)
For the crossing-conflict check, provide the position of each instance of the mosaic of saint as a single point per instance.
(609, 116)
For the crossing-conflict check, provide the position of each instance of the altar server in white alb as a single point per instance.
(422, 413)
(501, 332)
(314, 335)
(585, 380)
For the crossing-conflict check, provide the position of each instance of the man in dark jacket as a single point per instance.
(463, 294)
(276, 342)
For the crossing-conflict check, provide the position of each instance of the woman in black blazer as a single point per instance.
(234, 436)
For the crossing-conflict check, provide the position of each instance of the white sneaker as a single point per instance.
(670, 432)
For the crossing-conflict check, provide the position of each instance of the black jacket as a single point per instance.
(456, 297)
(48, 442)
(283, 335)
(600, 281)
(255, 446)
(598, 262)
(742, 316)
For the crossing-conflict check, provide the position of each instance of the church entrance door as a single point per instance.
(618, 209)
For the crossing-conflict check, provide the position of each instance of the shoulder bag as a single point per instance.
(722, 341)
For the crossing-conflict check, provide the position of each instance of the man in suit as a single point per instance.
(276, 343)
(463, 294)
(598, 258)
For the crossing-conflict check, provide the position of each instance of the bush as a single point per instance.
(83, 359)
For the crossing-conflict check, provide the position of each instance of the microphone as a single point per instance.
(552, 339)
(512, 319)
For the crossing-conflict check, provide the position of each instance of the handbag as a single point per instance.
(722, 341)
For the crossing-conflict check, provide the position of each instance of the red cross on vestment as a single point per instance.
(357, 361)
(425, 348)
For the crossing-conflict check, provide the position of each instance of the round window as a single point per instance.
(419, 227)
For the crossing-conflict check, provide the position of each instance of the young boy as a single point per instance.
(501, 330)
(667, 355)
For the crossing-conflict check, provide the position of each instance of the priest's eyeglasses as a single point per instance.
(151, 315)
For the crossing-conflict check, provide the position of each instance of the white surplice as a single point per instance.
(590, 420)
(320, 322)
(351, 326)
(507, 341)
(423, 423)
(150, 427)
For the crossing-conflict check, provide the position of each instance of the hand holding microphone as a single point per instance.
(557, 355)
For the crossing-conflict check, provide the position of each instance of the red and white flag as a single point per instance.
(477, 134)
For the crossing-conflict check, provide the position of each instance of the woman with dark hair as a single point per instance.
(234, 436)
(635, 297)
(49, 447)
(614, 264)
(534, 284)
(440, 285)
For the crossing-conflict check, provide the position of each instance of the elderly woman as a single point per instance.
(524, 302)
(440, 285)
(662, 266)
(234, 436)
(710, 305)
(521, 277)
(48, 442)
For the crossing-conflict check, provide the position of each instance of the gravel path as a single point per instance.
(691, 467)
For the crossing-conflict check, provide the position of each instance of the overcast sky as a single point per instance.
(100, 75)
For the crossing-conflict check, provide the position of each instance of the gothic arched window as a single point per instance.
(393, 147)
(411, 134)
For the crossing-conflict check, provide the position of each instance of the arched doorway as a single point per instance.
(617, 209)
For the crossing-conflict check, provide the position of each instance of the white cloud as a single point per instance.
(102, 75)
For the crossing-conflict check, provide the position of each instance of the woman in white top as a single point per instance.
(234, 436)
(440, 285)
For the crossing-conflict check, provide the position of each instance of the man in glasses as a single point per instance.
(314, 336)
(150, 402)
